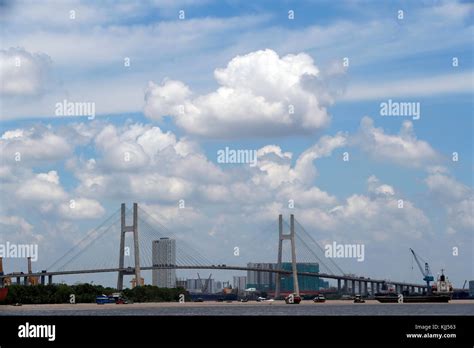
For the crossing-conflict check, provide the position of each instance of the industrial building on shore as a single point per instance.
(265, 281)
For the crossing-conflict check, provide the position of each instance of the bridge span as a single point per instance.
(189, 258)
(375, 283)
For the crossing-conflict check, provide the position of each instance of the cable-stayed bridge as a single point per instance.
(126, 249)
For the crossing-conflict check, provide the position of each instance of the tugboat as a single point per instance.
(293, 299)
(358, 299)
(319, 299)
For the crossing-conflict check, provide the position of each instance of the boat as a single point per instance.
(293, 299)
(358, 299)
(319, 299)
(121, 300)
(3, 294)
(104, 299)
(413, 298)
(440, 292)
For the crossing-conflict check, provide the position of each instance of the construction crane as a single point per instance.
(206, 283)
(464, 285)
(427, 277)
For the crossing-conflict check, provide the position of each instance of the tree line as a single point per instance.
(87, 293)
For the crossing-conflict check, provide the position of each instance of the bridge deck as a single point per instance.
(216, 267)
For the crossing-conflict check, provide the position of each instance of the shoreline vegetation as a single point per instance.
(87, 293)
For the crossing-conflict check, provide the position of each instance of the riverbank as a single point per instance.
(333, 307)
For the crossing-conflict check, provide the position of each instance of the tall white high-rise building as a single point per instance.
(164, 253)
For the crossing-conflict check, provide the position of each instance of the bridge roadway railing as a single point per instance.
(222, 267)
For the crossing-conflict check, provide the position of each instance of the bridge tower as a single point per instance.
(124, 229)
(281, 238)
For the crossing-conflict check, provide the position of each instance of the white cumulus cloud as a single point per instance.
(16, 229)
(23, 73)
(403, 148)
(81, 208)
(259, 94)
(378, 215)
(44, 187)
(456, 198)
(36, 144)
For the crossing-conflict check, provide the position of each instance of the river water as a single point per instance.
(245, 309)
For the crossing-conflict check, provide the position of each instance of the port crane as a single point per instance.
(427, 276)
(204, 286)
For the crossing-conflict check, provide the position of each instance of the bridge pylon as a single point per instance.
(281, 238)
(124, 229)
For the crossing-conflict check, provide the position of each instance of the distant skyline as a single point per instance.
(356, 116)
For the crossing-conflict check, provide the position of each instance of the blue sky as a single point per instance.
(235, 67)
